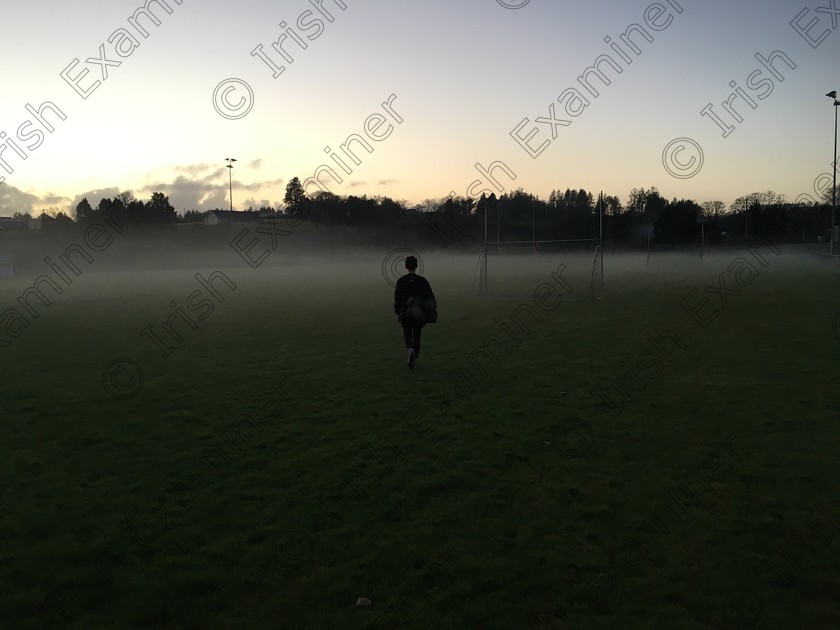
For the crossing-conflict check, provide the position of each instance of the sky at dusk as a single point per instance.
(430, 89)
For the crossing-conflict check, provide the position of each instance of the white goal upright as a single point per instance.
(505, 267)
(7, 266)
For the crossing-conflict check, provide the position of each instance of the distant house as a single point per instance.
(9, 223)
(217, 217)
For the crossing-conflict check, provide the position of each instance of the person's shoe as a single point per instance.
(411, 358)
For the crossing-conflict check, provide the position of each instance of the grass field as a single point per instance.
(608, 463)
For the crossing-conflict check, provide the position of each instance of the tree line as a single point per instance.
(129, 209)
(646, 216)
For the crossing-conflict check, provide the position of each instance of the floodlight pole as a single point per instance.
(601, 243)
(230, 162)
(483, 289)
(746, 221)
(834, 185)
(486, 209)
(498, 212)
(533, 225)
(601, 221)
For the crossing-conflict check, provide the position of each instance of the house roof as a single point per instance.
(10, 222)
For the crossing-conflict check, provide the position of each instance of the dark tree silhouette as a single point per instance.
(84, 211)
(678, 223)
(159, 210)
(295, 196)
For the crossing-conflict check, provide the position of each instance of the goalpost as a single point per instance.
(7, 266)
(582, 259)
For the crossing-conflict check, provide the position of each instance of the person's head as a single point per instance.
(411, 264)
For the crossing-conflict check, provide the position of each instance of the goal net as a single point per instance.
(519, 267)
(539, 246)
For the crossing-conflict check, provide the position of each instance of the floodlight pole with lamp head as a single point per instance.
(230, 162)
(833, 95)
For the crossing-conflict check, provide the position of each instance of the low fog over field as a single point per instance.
(191, 270)
(60, 264)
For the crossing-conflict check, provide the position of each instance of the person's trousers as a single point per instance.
(411, 335)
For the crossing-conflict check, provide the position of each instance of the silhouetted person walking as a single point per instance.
(414, 305)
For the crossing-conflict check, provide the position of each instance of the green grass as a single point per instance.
(475, 492)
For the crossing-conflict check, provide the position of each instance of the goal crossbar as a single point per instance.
(568, 240)
(538, 247)
(480, 273)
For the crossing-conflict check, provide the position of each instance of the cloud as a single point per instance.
(191, 194)
(256, 204)
(252, 187)
(256, 164)
(387, 182)
(324, 181)
(93, 197)
(215, 175)
(16, 200)
(208, 189)
(356, 184)
(55, 200)
(193, 169)
(195, 187)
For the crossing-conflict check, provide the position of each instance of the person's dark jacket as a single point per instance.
(414, 300)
